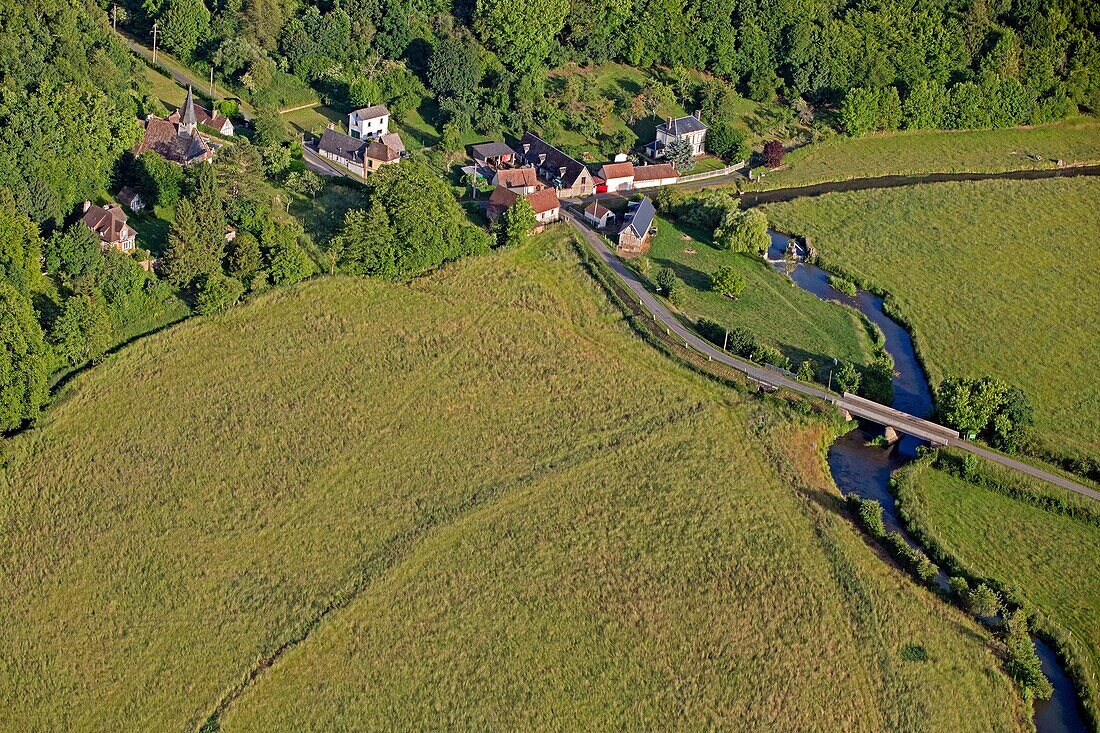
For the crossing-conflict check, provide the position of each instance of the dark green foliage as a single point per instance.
(413, 223)
(521, 34)
(159, 181)
(959, 588)
(877, 380)
(665, 280)
(244, 258)
(870, 516)
(681, 155)
(768, 354)
(217, 292)
(455, 69)
(914, 653)
(1023, 663)
(983, 601)
(83, 329)
(989, 407)
(188, 254)
(728, 281)
(20, 246)
(516, 223)
(727, 142)
(23, 359)
(74, 255)
(846, 379)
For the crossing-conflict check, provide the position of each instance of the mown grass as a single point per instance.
(1044, 559)
(995, 277)
(481, 501)
(1074, 141)
(802, 325)
(170, 94)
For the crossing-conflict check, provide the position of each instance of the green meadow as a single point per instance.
(476, 500)
(1074, 141)
(995, 278)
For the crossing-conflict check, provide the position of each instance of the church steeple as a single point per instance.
(188, 120)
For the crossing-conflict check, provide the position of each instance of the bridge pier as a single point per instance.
(891, 435)
(847, 415)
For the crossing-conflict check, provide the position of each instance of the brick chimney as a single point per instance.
(87, 205)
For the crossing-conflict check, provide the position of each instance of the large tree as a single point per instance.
(23, 362)
(521, 33)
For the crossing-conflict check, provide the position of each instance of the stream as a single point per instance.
(864, 469)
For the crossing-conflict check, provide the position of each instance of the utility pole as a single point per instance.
(114, 17)
(726, 341)
(154, 42)
(211, 81)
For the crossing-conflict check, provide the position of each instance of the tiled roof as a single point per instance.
(484, 151)
(378, 150)
(683, 125)
(654, 172)
(109, 222)
(503, 197)
(393, 141)
(640, 220)
(161, 137)
(618, 170)
(544, 200)
(517, 177)
(597, 210)
(531, 147)
(369, 113)
(128, 196)
(214, 120)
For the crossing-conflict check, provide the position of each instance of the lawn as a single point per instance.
(801, 325)
(1075, 141)
(475, 501)
(1044, 558)
(995, 277)
(170, 94)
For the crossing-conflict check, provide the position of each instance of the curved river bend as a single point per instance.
(860, 468)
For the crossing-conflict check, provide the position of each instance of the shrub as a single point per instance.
(846, 378)
(743, 231)
(217, 293)
(768, 354)
(870, 516)
(728, 281)
(983, 601)
(807, 372)
(842, 285)
(773, 153)
(665, 280)
(710, 330)
(959, 587)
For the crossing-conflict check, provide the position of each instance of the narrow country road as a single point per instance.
(903, 422)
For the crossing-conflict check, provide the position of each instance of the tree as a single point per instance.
(23, 360)
(217, 293)
(727, 142)
(75, 255)
(306, 183)
(743, 231)
(925, 106)
(807, 372)
(846, 378)
(20, 246)
(681, 153)
(244, 256)
(159, 181)
(455, 69)
(521, 34)
(859, 111)
(288, 263)
(516, 223)
(665, 280)
(83, 330)
(773, 153)
(983, 601)
(728, 281)
(183, 24)
(186, 256)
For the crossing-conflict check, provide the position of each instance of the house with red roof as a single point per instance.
(109, 224)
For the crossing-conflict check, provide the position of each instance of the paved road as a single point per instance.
(881, 414)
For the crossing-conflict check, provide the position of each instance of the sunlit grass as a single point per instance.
(996, 277)
(523, 515)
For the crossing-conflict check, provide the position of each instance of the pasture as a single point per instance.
(1045, 559)
(1075, 141)
(995, 278)
(800, 324)
(473, 501)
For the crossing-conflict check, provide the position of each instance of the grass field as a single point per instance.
(996, 277)
(170, 94)
(802, 325)
(1074, 141)
(476, 501)
(1044, 558)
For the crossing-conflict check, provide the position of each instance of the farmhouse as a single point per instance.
(520, 180)
(360, 156)
(689, 128)
(493, 155)
(178, 141)
(570, 177)
(109, 224)
(649, 176)
(617, 177)
(634, 236)
(598, 215)
(369, 122)
(545, 204)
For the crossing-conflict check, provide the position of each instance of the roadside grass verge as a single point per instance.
(1075, 141)
(1043, 559)
(771, 306)
(474, 500)
(994, 277)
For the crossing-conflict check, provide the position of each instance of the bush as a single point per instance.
(217, 293)
(665, 280)
(846, 378)
(807, 372)
(844, 286)
(959, 588)
(870, 516)
(983, 601)
(768, 354)
(728, 281)
(773, 153)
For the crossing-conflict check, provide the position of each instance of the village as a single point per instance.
(608, 196)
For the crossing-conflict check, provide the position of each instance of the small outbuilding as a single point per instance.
(598, 215)
(634, 236)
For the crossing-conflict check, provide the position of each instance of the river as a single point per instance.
(864, 469)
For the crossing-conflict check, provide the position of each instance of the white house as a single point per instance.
(369, 122)
(519, 180)
(688, 128)
(598, 215)
(617, 177)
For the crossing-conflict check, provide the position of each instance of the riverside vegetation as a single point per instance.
(996, 278)
(355, 482)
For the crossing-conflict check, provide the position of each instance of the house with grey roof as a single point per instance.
(494, 155)
(361, 156)
(568, 176)
(689, 128)
(369, 122)
(634, 236)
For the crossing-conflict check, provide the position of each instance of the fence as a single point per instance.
(711, 174)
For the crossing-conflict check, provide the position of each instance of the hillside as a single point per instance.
(995, 277)
(476, 501)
